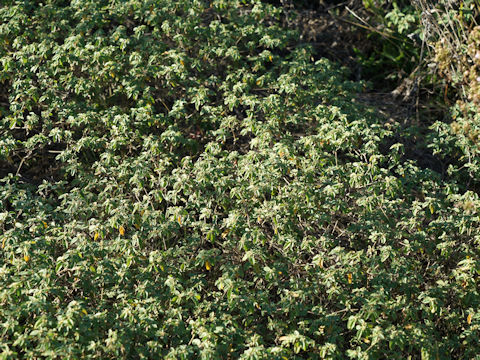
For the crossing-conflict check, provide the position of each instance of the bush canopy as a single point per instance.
(187, 180)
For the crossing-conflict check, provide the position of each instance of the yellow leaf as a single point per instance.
(179, 219)
(270, 58)
(44, 224)
(408, 327)
(84, 311)
(469, 319)
(432, 209)
(26, 258)
(121, 230)
(95, 237)
(181, 62)
(137, 226)
(112, 74)
(3, 242)
(349, 276)
(208, 266)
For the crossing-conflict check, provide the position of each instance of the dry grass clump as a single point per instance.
(452, 35)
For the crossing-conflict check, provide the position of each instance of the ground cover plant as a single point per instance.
(187, 180)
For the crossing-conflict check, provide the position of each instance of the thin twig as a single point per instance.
(22, 161)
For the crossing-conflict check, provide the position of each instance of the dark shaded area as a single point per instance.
(323, 26)
(343, 31)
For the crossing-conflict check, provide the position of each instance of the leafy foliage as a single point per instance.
(186, 181)
(452, 33)
(392, 51)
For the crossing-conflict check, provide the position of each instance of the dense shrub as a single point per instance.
(451, 32)
(184, 180)
(390, 52)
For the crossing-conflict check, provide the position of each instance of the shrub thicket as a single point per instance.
(184, 180)
(452, 33)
